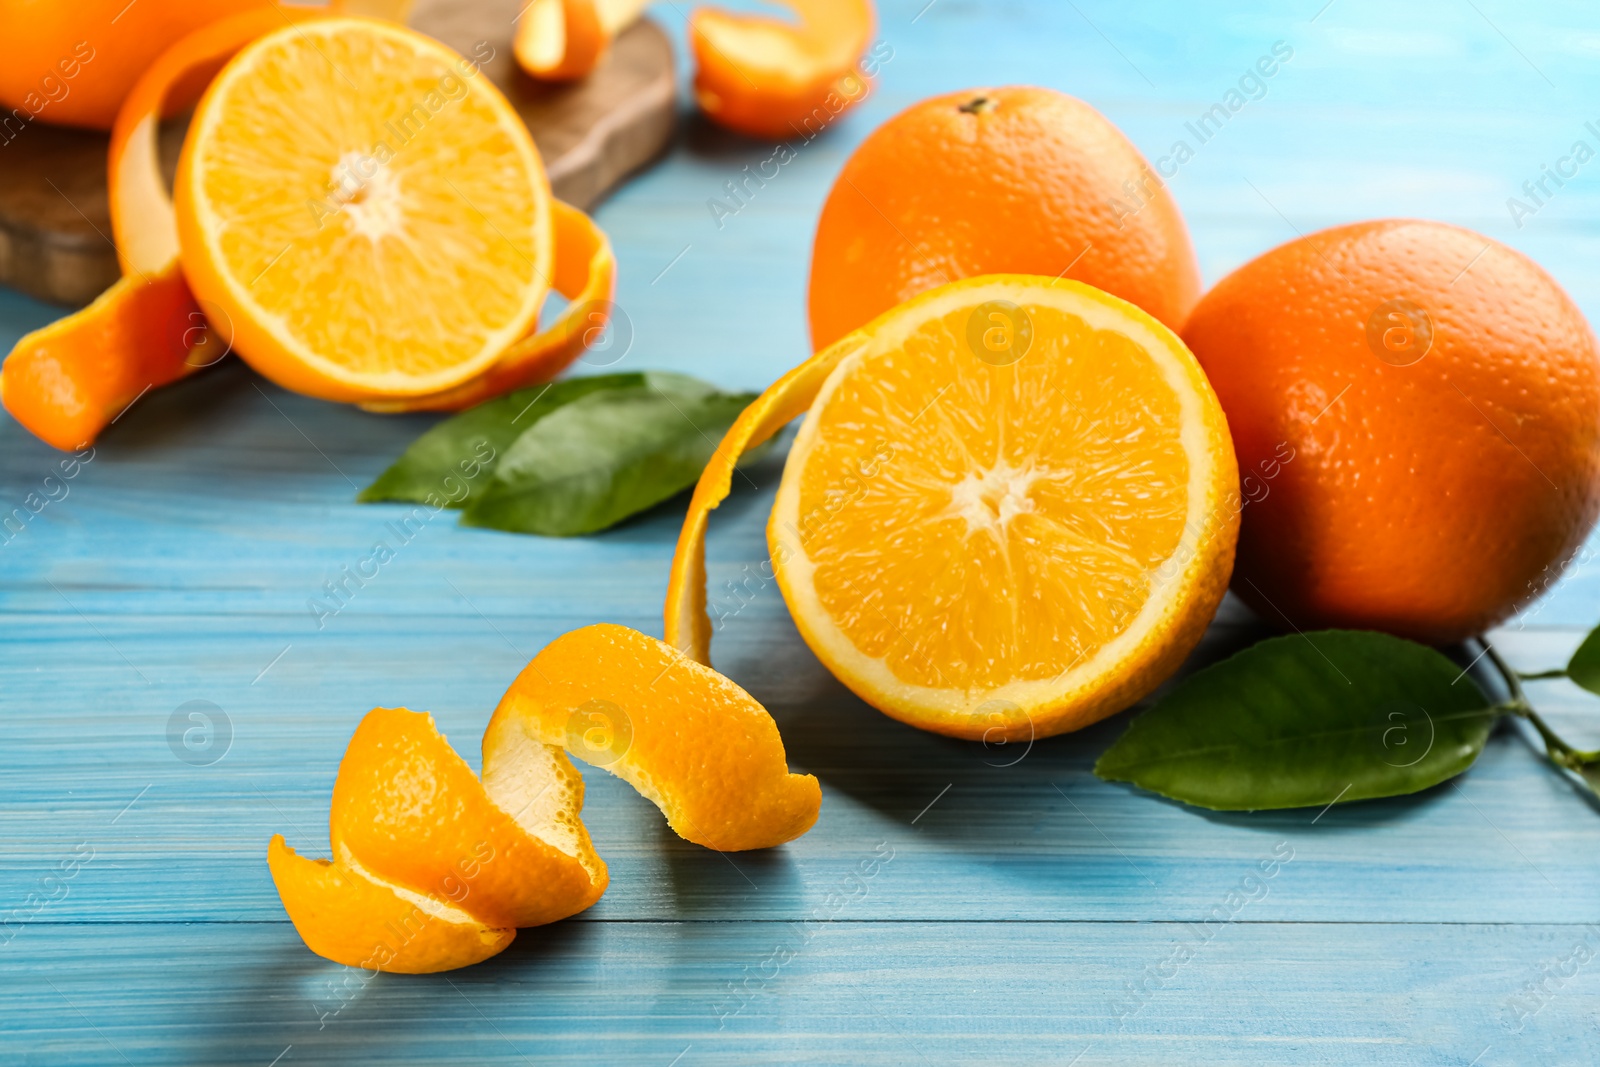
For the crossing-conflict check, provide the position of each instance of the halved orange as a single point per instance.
(765, 77)
(366, 208)
(1011, 510)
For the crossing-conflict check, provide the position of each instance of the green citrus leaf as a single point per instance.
(1306, 720)
(454, 461)
(605, 457)
(1584, 666)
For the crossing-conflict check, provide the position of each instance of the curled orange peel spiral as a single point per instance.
(687, 627)
(689, 740)
(434, 868)
(768, 78)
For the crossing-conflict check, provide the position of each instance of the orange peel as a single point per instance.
(511, 849)
(689, 740)
(767, 78)
(434, 868)
(144, 226)
(350, 918)
(563, 40)
(68, 381)
(417, 835)
(687, 626)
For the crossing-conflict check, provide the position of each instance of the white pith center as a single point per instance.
(991, 499)
(372, 202)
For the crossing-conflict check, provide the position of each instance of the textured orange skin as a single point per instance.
(349, 919)
(1022, 186)
(71, 379)
(1430, 500)
(412, 812)
(40, 34)
(700, 747)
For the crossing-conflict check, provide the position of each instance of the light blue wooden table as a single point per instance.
(1021, 902)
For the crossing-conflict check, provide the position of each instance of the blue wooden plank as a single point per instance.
(180, 563)
(1236, 993)
(1024, 833)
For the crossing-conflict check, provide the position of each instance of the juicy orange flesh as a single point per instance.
(328, 202)
(973, 524)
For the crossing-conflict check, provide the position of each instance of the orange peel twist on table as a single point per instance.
(434, 868)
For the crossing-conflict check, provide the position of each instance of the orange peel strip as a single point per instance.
(511, 849)
(563, 40)
(71, 379)
(689, 740)
(766, 78)
(468, 861)
(350, 918)
(586, 274)
(687, 627)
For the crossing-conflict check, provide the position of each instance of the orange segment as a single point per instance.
(353, 919)
(1011, 510)
(689, 740)
(560, 40)
(410, 810)
(394, 247)
(775, 79)
(71, 379)
(586, 274)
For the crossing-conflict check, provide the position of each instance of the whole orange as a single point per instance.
(1019, 180)
(1416, 412)
(73, 64)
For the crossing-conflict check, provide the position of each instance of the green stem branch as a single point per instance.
(1539, 676)
(1561, 753)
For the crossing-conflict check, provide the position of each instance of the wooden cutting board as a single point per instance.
(55, 224)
